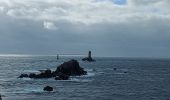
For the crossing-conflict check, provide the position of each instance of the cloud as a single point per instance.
(50, 26)
(85, 11)
(1, 9)
(147, 2)
(132, 28)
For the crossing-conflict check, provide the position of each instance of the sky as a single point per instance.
(111, 28)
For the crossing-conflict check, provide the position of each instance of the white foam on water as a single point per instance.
(8, 79)
(79, 80)
(90, 74)
(100, 73)
(84, 78)
(26, 79)
(89, 70)
(29, 90)
(33, 89)
(31, 71)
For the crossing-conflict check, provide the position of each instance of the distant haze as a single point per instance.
(115, 28)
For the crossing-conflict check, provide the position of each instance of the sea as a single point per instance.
(109, 78)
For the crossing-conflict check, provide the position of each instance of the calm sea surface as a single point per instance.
(134, 79)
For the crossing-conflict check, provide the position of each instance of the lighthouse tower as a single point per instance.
(89, 58)
(89, 55)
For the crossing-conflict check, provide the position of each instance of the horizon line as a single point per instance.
(78, 55)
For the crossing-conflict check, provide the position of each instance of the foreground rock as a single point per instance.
(46, 74)
(48, 88)
(22, 76)
(89, 58)
(70, 68)
(62, 76)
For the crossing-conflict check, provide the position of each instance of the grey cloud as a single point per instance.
(144, 2)
(84, 11)
(148, 2)
(52, 26)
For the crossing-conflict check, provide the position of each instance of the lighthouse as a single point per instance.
(89, 58)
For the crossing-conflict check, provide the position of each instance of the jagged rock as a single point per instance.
(71, 68)
(48, 88)
(89, 58)
(62, 76)
(46, 74)
(32, 75)
(22, 76)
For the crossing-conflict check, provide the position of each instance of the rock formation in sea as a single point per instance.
(62, 76)
(115, 69)
(23, 75)
(89, 58)
(70, 68)
(48, 88)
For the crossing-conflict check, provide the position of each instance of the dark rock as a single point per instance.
(32, 75)
(48, 88)
(115, 68)
(23, 75)
(58, 78)
(62, 76)
(48, 71)
(46, 74)
(89, 58)
(62, 72)
(70, 68)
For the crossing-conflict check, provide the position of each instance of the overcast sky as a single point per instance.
(118, 28)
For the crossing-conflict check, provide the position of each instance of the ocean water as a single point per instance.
(134, 79)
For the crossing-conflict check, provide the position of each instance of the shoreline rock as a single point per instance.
(62, 76)
(48, 88)
(63, 72)
(23, 75)
(71, 68)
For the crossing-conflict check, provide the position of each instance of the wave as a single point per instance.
(89, 74)
(30, 71)
(80, 80)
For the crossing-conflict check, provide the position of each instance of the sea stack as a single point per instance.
(48, 88)
(89, 58)
(63, 71)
